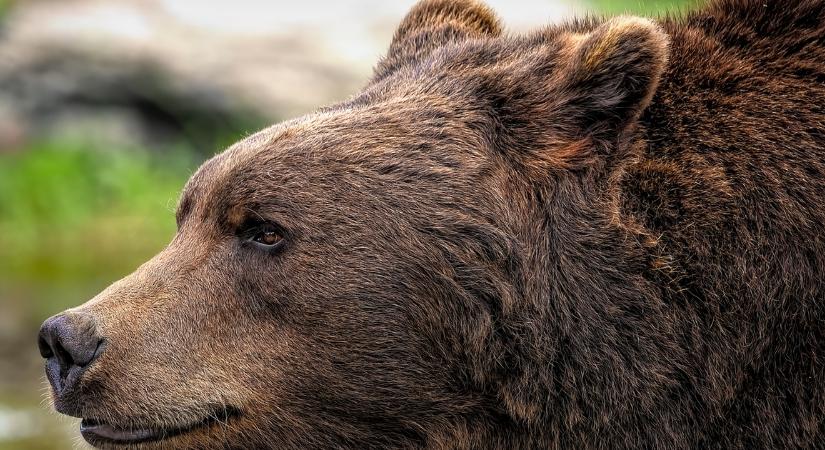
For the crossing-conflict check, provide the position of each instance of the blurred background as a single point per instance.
(107, 107)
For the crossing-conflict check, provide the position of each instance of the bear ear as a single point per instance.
(612, 75)
(433, 23)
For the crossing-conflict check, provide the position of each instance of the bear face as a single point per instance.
(351, 328)
(360, 276)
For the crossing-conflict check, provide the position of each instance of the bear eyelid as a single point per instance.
(261, 233)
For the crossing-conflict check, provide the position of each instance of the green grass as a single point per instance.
(643, 7)
(75, 217)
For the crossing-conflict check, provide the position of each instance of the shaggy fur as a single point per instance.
(604, 234)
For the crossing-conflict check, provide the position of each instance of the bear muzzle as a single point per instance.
(70, 343)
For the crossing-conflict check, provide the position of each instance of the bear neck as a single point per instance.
(590, 289)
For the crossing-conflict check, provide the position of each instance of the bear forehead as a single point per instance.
(421, 138)
(433, 117)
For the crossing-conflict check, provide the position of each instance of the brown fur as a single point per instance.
(603, 234)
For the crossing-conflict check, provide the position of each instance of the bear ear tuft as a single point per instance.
(433, 23)
(613, 73)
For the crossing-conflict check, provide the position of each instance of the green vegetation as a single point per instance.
(74, 217)
(644, 7)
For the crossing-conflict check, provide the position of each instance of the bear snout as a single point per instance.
(70, 343)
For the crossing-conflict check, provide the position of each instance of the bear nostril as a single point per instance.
(62, 354)
(69, 343)
(44, 346)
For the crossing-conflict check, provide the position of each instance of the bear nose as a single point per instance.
(69, 342)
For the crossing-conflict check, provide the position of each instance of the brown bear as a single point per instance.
(604, 234)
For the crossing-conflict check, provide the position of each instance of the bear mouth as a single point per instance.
(98, 433)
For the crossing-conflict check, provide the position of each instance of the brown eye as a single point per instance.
(268, 238)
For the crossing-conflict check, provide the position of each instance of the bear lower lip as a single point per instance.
(96, 432)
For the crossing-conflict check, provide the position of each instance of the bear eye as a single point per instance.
(268, 238)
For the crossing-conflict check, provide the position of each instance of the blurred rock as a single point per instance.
(153, 72)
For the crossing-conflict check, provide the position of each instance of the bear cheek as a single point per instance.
(170, 339)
